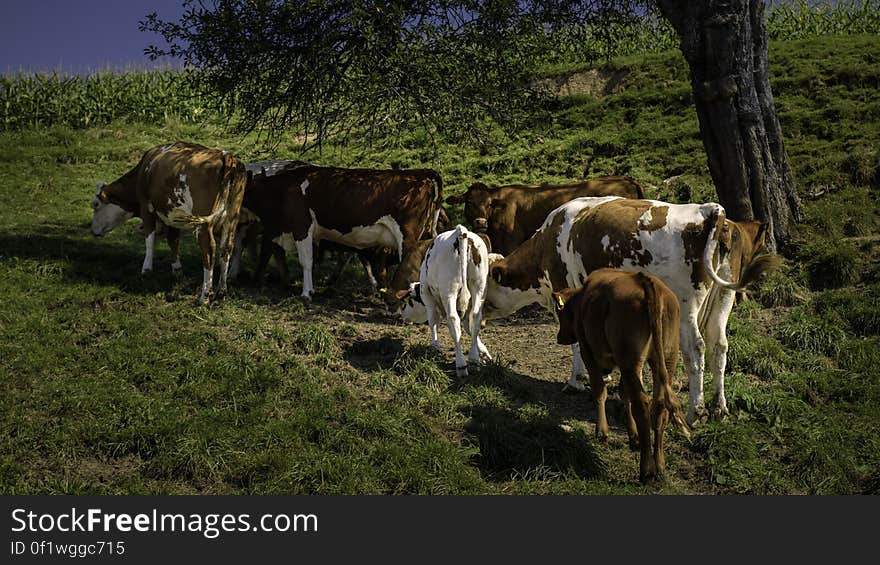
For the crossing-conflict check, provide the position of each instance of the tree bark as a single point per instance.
(725, 45)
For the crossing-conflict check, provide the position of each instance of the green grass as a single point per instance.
(114, 383)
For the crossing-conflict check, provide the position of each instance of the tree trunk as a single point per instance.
(725, 45)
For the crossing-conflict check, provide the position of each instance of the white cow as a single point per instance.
(452, 285)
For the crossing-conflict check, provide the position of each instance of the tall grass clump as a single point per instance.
(313, 339)
(831, 264)
(857, 308)
(781, 288)
(807, 333)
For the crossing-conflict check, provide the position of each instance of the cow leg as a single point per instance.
(475, 324)
(205, 236)
(238, 246)
(433, 318)
(600, 396)
(172, 236)
(477, 346)
(304, 250)
(368, 268)
(148, 256)
(340, 266)
(716, 346)
(454, 324)
(630, 379)
(378, 269)
(150, 241)
(227, 247)
(692, 348)
(577, 369)
(659, 413)
(632, 430)
(281, 262)
(266, 250)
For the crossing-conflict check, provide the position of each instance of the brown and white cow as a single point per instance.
(510, 214)
(358, 208)
(690, 247)
(184, 186)
(620, 319)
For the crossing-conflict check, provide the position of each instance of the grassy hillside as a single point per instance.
(115, 383)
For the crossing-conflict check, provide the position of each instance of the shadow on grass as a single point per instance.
(372, 354)
(516, 447)
(91, 260)
(515, 440)
(116, 261)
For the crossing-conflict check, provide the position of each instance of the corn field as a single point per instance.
(36, 100)
(29, 100)
(802, 19)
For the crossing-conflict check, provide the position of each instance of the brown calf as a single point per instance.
(620, 319)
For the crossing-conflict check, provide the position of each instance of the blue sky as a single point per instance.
(77, 35)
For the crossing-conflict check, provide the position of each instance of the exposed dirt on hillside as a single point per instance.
(596, 82)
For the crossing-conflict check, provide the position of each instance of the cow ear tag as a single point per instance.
(560, 302)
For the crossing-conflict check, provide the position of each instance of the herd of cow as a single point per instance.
(630, 280)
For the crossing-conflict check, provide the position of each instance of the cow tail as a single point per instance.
(179, 219)
(758, 265)
(717, 219)
(438, 201)
(235, 180)
(655, 315)
(461, 235)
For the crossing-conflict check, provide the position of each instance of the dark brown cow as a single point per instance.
(510, 214)
(620, 319)
(184, 186)
(358, 208)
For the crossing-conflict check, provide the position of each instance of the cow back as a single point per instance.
(517, 211)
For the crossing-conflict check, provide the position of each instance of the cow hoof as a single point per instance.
(719, 412)
(574, 384)
(696, 416)
(461, 371)
(634, 443)
(176, 271)
(145, 271)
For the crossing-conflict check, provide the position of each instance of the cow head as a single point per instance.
(412, 308)
(565, 303)
(478, 205)
(106, 214)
